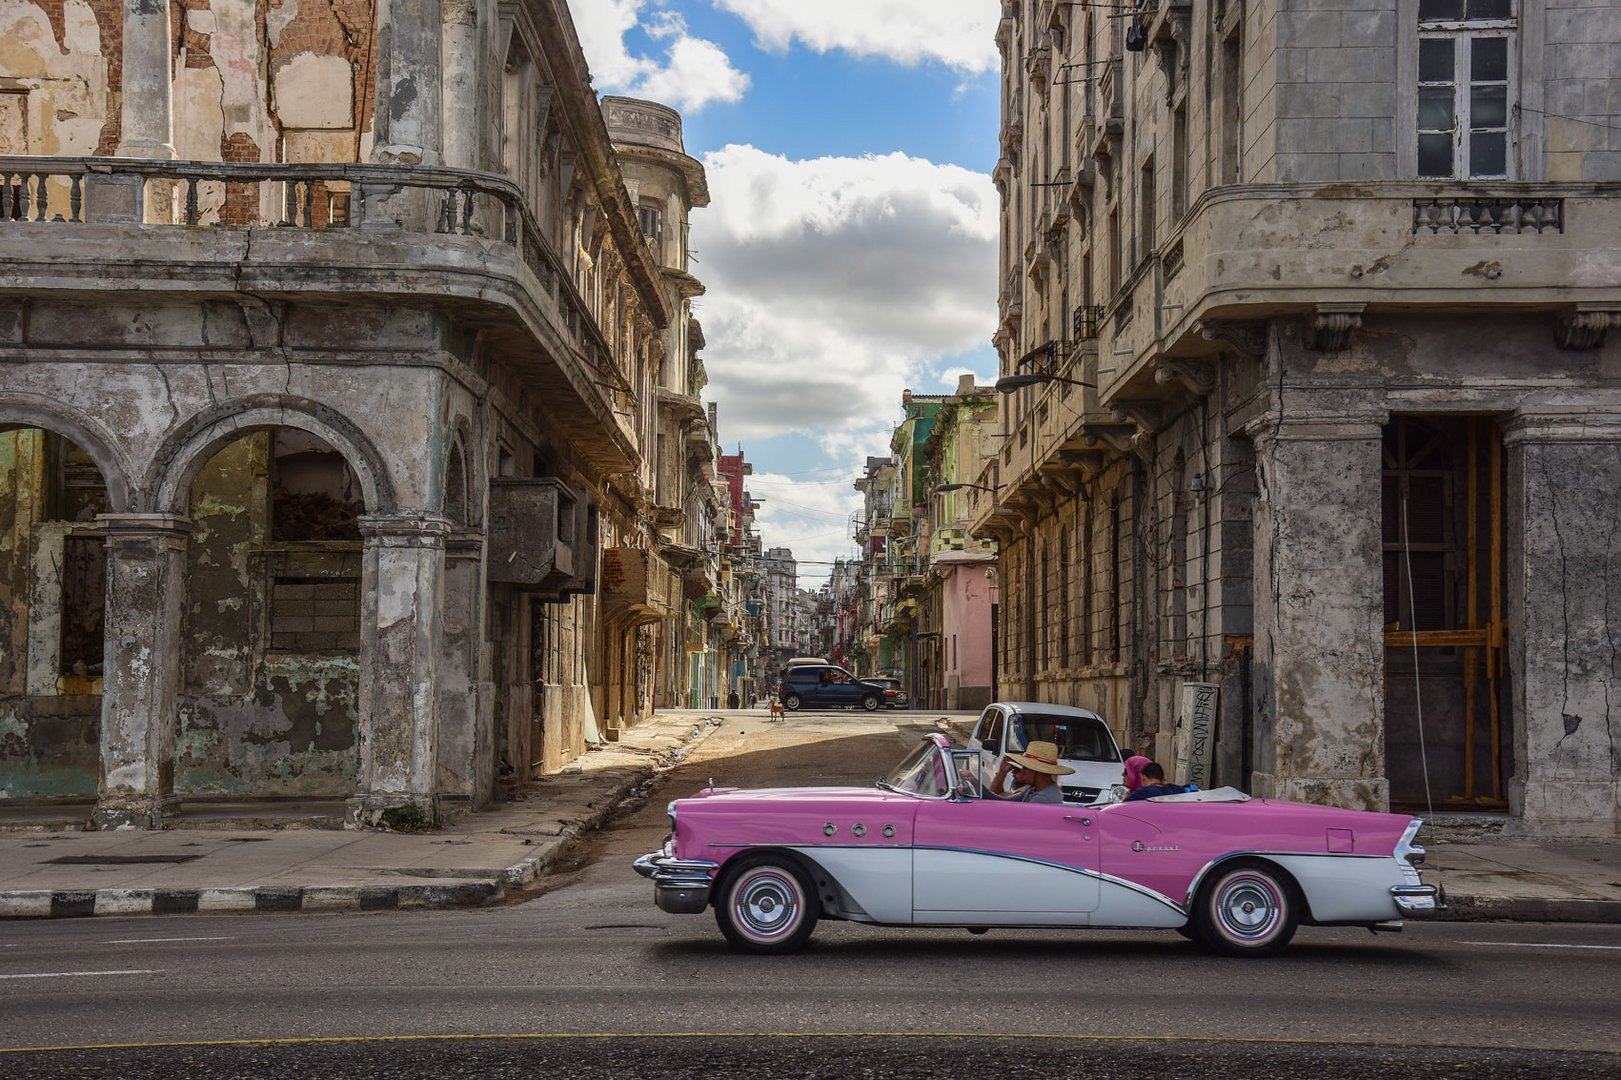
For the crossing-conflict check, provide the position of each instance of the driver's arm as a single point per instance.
(998, 785)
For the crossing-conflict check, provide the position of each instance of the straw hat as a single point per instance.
(1041, 757)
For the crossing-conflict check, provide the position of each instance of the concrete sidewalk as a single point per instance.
(293, 863)
(212, 866)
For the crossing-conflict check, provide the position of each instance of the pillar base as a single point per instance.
(137, 812)
(146, 150)
(394, 813)
(1349, 792)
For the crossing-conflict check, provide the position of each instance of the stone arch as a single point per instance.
(19, 410)
(187, 448)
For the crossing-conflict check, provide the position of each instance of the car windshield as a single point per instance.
(1079, 738)
(923, 772)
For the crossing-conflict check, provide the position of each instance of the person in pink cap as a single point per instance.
(1134, 771)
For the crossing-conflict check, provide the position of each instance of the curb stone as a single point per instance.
(1528, 909)
(473, 892)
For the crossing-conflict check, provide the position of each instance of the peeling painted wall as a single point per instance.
(49, 732)
(256, 719)
(59, 63)
(253, 80)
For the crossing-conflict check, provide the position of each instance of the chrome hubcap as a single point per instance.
(1249, 908)
(766, 905)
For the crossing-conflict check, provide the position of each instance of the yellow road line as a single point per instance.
(311, 1040)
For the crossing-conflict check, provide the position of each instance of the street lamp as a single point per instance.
(946, 488)
(1009, 383)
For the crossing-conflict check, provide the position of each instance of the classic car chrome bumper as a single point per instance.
(1419, 899)
(680, 886)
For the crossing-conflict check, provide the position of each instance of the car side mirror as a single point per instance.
(992, 746)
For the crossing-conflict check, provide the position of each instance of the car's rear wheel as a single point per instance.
(767, 904)
(1247, 909)
(870, 703)
(790, 702)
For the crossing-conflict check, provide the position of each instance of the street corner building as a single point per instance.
(1312, 413)
(350, 436)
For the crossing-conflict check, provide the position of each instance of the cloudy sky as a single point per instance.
(849, 249)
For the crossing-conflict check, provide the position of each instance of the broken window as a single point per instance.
(1467, 75)
(649, 218)
(314, 586)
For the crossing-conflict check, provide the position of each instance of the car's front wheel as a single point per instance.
(870, 703)
(1247, 909)
(791, 702)
(766, 904)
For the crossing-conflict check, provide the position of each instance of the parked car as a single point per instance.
(895, 695)
(921, 848)
(826, 686)
(1084, 743)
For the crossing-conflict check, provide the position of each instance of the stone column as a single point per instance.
(1319, 614)
(407, 125)
(146, 563)
(465, 748)
(148, 84)
(400, 655)
(1563, 600)
(461, 84)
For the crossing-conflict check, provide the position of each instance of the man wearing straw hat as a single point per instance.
(1036, 772)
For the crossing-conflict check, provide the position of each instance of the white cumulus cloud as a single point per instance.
(809, 516)
(835, 283)
(691, 73)
(958, 33)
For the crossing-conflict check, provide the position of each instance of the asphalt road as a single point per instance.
(589, 978)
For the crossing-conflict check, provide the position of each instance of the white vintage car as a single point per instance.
(1085, 744)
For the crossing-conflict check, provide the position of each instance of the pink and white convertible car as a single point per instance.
(924, 849)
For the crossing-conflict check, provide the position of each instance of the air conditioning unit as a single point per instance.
(542, 538)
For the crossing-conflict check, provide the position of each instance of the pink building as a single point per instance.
(967, 677)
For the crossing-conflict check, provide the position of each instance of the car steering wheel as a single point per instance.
(970, 784)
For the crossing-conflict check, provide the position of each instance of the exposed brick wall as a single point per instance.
(53, 12)
(340, 28)
(241, 205)
(315, 615)
(194, 42)
(110, 22)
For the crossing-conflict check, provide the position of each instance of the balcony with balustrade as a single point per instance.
(1330, 252)
(462, 242)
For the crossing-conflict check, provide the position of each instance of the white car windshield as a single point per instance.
(922, 772)
(1079, 738)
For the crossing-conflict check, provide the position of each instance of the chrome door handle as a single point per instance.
(1074, 817)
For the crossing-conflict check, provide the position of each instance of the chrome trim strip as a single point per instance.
(665, 869)
(1080, 870)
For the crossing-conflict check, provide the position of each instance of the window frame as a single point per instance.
(1462, 33)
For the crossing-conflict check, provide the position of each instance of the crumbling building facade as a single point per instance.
(1313, 412)
(335, 344)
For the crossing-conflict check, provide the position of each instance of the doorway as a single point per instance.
(1447, 738)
